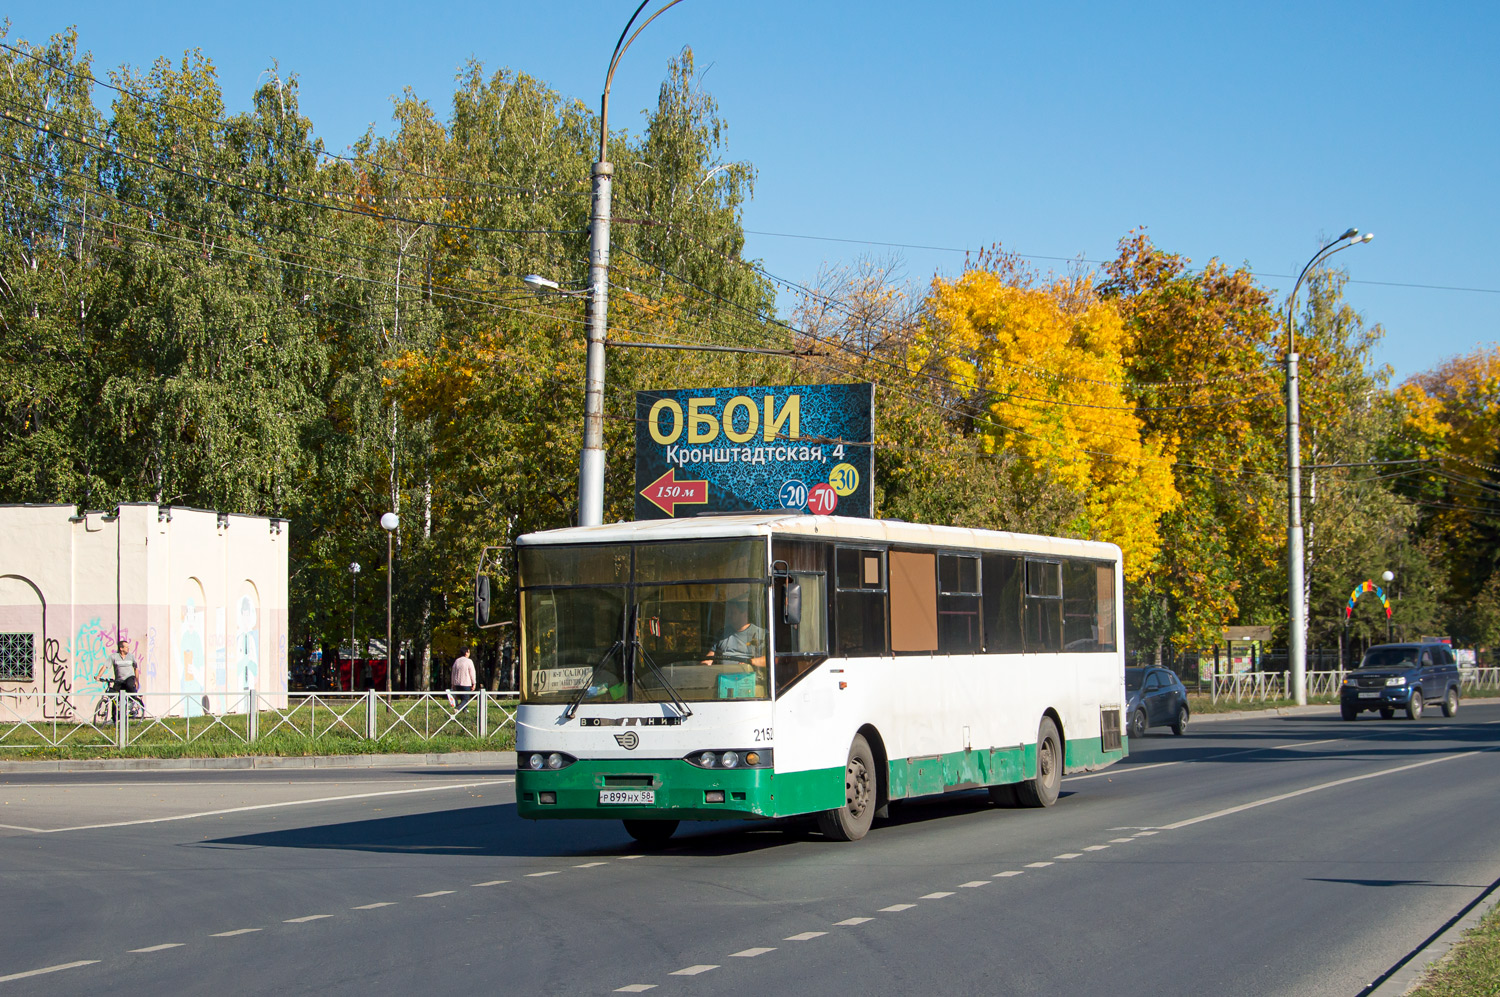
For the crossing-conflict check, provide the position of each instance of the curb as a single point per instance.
(1300, 711)
(501, 759)
(1405, 976)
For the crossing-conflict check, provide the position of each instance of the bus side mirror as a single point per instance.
(792, 602)
(481, 599)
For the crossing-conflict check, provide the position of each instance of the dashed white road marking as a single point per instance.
(48, 969)
(635, 988)
(935, 896)
(691, 970)
(231, 934)
(1037, 865)
(750, 953)
(1095, 848)
(549, 872)
(850, 922)
(590, 865)
(434, 893)
(973, 883)
(304, 920)
(1143, 834)
(806, 936)
(1120, 841)
(1068, 855)
(1008, 873)
(895, 907)
(383, 903)
(493, 882)
(162, 946)
(627, 858)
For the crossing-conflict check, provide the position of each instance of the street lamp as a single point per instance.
(353, 601)
(389, 522)
(1297, 630)
(591, 458)
(1388, 577)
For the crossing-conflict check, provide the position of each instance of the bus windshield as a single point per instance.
(698, 610)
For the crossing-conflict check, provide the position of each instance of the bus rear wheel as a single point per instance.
(650, 832)
(1043, 790)
(851, 821)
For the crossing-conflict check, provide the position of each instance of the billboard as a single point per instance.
(801, 446)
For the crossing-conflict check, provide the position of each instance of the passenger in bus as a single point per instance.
(743, 642)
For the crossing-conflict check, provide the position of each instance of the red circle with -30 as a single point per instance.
(822, 500)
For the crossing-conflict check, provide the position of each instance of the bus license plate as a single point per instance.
(1369, 695)
(635, 797)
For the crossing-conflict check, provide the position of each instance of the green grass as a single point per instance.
(1201, 703)
(1472, 969)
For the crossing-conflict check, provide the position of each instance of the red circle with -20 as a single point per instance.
(822, 500)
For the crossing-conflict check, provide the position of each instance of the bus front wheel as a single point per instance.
(650, 832)
(1042, 791)
(851, 821)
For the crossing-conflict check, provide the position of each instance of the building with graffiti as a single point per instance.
(200, 597)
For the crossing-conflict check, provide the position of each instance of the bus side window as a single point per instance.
(914, 601)
(859, 602)
(1044, 604)
(958, 604)
(1104, 582)
(1080, 604)
(1001, 585)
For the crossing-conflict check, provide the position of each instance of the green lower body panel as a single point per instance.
(1088, 753)
(969, 769)
(682, 791)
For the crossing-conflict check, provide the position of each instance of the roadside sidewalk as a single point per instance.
(1331, 709)
(493, 759)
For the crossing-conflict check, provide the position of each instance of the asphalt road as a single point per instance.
(1296, 855)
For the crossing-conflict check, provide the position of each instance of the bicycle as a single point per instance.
(106, 710)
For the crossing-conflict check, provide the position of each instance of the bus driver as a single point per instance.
(743, 642)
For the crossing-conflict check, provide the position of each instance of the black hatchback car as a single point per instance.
(1156, 697)
(1404, 677)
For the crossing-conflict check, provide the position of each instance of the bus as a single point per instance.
(767, 665)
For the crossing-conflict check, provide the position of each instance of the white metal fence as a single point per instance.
(121, 720)
(1261, 686)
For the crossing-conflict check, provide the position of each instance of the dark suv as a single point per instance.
(1401, 677)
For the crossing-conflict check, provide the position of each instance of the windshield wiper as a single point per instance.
(682, 707)
(578, 699)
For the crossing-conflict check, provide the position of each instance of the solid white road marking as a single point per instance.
(304, 920)
(973, 883)
(750, 953)
(635, 988)
(383, 903)
(274, 806)
(850, 922)
(1095, 848)
(163, 945)
(895, 907)
(48, 969)
(493, 882)
(935, 896)
(1112, 771)
(691, 970)
(806, 936)
(231, 934)
(1009, 872)
(34, 830)
(1313, 789)
(434, 893)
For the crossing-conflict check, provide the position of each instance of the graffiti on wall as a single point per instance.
(192, 663)
(247, 640)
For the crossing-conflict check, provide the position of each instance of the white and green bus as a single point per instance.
(771, 665)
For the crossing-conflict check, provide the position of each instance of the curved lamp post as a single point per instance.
(353, 603)
(389, 522)
(591, 459)
(1297, 630)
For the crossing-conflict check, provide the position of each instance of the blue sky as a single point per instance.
(1244, 132)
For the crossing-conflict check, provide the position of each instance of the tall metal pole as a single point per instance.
(353, 605)
(390, 569)
(1297, 627)
(591, 459)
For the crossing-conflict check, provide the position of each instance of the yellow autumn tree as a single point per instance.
(1043, 370)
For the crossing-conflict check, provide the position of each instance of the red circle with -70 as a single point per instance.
(822, 500)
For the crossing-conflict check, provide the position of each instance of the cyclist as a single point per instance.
(125, 674)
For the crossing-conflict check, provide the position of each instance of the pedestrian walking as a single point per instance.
(461, 678)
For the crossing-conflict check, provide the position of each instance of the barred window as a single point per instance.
(17, 657)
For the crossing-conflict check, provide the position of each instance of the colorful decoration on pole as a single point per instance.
(1360, 590)
(801, 446)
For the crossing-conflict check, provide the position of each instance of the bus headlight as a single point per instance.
(706, 759)
(720, 758)
(536, 761)
(554, 761)
(729, 759)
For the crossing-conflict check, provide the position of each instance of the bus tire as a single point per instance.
(1004, 796)
(650, 832)
(851, 821)
(1043, 790)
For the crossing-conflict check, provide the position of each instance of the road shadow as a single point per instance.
(1393, 882)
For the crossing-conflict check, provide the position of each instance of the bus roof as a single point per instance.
(845, 528)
